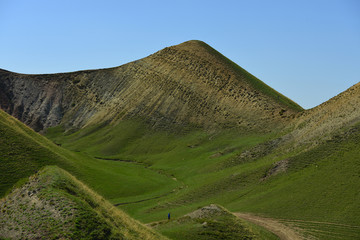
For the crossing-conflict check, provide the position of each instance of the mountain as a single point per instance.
(187, 84)
(186, 128)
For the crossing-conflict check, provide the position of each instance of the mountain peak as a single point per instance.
(196, 47)
(186, 84)
(192, 45)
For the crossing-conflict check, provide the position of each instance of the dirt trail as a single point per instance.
(279, 229)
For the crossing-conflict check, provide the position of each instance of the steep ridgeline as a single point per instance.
(190, 83)
(329, 119)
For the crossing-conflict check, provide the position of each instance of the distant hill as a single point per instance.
(332, 117)
(187, 84)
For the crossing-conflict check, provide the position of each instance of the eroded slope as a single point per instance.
(55, 205)
(327, 120)
(187, 84)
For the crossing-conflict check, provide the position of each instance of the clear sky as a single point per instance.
(309, 50)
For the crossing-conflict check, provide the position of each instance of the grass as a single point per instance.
(21, 152)
(214, 225)
(184, 171)
(324, 230)
(69, 210)
(186, 159)
(321, 185)
(24, 152)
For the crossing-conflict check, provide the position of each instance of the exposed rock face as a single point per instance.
(189, 83)
(35, 100)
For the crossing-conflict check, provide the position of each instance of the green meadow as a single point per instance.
(320, 184)
(149, 173)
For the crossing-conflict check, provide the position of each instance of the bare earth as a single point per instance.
(282, 231)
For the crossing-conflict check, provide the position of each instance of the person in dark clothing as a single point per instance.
(168, 216)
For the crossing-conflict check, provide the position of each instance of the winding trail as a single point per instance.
(282, 231)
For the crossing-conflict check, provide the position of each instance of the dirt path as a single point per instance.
(282, 231)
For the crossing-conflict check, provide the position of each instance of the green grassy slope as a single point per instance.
(320, 188)
(119, 181)
(319, 185)
(54, 205)
(23, 152)
(193, 158)
(211, 222)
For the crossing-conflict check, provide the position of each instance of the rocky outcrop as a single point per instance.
(189, 83)
(35, 100)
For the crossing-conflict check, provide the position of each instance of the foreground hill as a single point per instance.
(187, 84)
(22, 152)
(53, 204)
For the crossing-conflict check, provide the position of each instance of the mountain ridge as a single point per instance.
(328, 118)
(186, 84)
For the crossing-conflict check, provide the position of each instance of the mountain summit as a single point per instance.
(187, 84)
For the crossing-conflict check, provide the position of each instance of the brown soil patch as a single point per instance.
(282, 231)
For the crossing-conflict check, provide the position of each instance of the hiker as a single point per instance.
(168, 216)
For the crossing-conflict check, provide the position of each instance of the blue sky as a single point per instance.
(309, 50)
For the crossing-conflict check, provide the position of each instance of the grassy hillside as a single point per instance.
(243, 171)
(127, 181)
(211, 222)
(53, 204)
(320, 188)
(23, 152)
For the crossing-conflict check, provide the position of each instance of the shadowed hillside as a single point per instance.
(187, 84)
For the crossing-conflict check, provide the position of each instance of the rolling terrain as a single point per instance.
(186, 128)
(54, 204)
